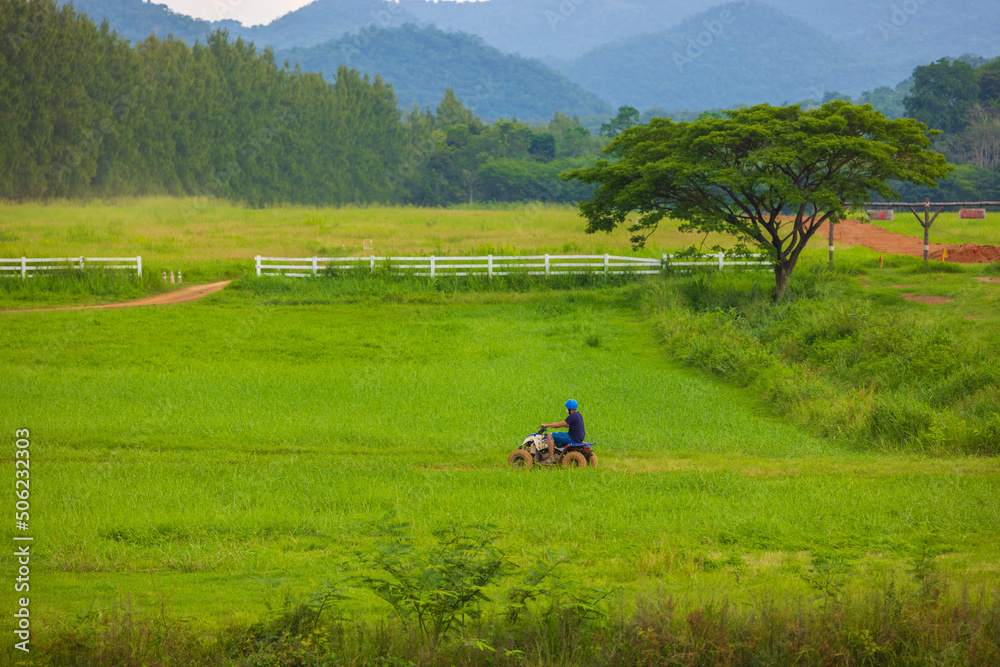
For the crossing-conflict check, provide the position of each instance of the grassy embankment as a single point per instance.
(214, 458)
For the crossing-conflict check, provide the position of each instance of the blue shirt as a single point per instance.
(574, 421)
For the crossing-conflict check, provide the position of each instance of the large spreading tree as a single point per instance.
(770, 176)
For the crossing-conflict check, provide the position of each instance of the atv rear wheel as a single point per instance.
(574, 460)
(593, 460)
(519, 458)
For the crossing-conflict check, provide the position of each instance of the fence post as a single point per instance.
(432, 266)
(663, 263)
(489, 266)
(314, 267)
(605, 266)
(546, 266)
(722, 260)
(24, 268)
(81, 264)
(138, 265)
(258, 266)
(373, 265)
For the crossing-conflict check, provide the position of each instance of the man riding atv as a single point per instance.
(575, 436)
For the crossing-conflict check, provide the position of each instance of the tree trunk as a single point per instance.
(782, 275)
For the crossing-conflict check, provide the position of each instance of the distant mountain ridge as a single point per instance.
(739, 53)
(422, 63)
(622, 50)
(315, 23)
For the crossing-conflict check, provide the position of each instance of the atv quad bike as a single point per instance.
(535, 449)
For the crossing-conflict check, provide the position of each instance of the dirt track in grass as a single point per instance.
(183, 295)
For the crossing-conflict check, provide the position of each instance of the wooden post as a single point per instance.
(831, 243)
(373, 264)
(432, 266)
(606, 257)
(258, 266)
(138, 265)
(24, 268)
(722, 260)
(926, 223)
(546, 266)
(489, 266)
(315, 267)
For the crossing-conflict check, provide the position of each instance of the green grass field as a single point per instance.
(191, 232)
(208, 460)
(219, 453)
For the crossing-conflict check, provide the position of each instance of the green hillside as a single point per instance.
(421, 63)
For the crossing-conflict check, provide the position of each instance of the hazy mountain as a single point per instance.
(316, 23)
(324, 20)
(136, 20)
(560, 28)
(904, 34)
(734, 54)
(421, 63)
(623, 50)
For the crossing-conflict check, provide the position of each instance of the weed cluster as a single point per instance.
(71, 285)
(883, 627)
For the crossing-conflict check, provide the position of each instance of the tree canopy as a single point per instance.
(770, 176)
(942, 94)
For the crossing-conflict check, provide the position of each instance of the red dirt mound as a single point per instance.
(970, 253)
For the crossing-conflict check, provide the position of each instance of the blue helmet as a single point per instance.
(572, 405)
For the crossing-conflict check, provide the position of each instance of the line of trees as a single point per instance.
(961, 97)
(84, 113)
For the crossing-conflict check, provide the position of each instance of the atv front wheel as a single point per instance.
(519, 458)
(574, 460)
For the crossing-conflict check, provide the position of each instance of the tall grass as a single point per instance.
(889, 624)
(72, 286)
(848, 360)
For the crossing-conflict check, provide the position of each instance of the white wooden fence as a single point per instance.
(490, 265)
(25, 267)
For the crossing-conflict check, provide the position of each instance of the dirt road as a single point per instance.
(852, 232)
(183, 295)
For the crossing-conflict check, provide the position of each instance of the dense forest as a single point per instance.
(84, 113)
(962, 99)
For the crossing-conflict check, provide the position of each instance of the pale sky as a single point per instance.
(247, 12)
